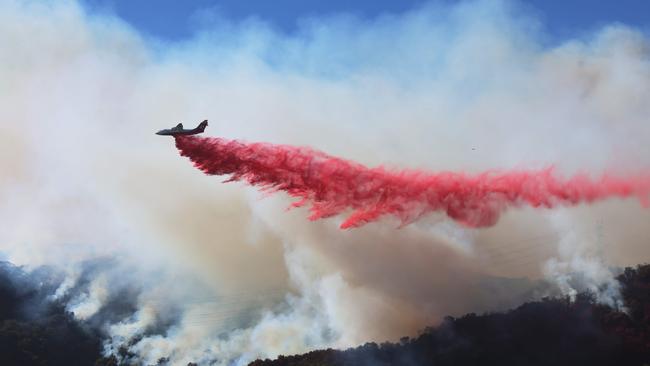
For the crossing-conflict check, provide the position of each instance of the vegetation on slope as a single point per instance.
(546, 332)
(36, 329)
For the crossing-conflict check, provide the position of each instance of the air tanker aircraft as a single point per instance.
(179, 130)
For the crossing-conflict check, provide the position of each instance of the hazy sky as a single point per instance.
(174, 20)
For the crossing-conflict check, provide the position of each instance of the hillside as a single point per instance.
(36, 330)
(546, 332)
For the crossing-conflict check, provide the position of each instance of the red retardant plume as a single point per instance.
(333, 185)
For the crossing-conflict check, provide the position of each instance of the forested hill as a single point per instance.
(36, 329)
(546, 332)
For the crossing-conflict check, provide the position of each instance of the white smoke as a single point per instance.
(580, 264)
(221, 274)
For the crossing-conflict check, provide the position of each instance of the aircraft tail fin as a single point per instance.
(203, 125)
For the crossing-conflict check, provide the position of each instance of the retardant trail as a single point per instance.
(333, 185)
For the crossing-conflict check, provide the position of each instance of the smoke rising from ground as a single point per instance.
(213, 271)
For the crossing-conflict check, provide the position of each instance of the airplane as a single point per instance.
(179, 130)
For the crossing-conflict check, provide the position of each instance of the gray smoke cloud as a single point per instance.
(217, 272)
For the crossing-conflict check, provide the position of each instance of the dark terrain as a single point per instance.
(553, 331)
(36, 329)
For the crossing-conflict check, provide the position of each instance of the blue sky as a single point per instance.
(176, 19)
